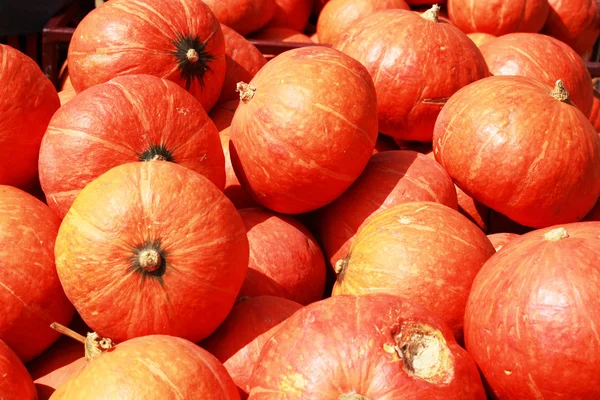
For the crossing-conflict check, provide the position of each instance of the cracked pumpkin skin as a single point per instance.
(152, 248)
(346, 347)
(416, 63)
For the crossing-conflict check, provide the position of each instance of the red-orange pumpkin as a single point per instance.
(575, 22)
(292, 14)
(233, 189)
(223, 113)
(417, 250)
(391, 178)
(179, 40)
(234, 342)
(365, 347)
(243, 61)
(282, 35)
(545, 142)
(27, 102)
(498, 17)
(30, 291)
(532, 316)
(243, 16)
(156, 366)
(148, 118)
(152, 248)
(542, 58)
(499, 240)
(305, 129)
(595, 114)
(480, 38)
(338, 15)
(285, 259)
(443, 61)
(16, 384)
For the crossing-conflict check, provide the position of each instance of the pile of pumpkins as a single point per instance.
(407, 209)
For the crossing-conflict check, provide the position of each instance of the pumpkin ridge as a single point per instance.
(192, 58)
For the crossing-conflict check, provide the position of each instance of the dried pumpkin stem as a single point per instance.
(192, 55)
(246, 91)
(432, 14)
(96, 345)
(67, 332)
(556, 234)
(150, 260)
(560, 92)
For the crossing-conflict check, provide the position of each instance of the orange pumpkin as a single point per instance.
(574, 22)
(66, 95)
(179, 40)
(233, 189)
(27, 102)
(15, 384)
(152, 248)
(148, 118)
(480, 38)
(291, 14)
(499, 240)
(244, 16)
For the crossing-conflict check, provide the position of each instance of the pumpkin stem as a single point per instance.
(341, 265)
(67, 332)
(150, 260)
(556, 234)
(192, 55)
(246, 92)
(432, 14)
(96, 345)
(192, 58)
(156, 152)
(560, 92)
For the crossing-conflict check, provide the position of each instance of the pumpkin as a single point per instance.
(499, 17)
(66, 95)
(233, 189)
(364, 347)
(149, 118)
(27, 102)
(127, 248)
(443, 62)
(338, 15)
(282, 35)
(532, 316)
(594, 215)
(542, 58)
(499, 240)
(179, 40)
(291, 14)
(222, 114)
(243, 60)
(30, 291)
(234, 342)
(480, 38)
(16, 382)
(428, 248)
(541, 135)
(391, 178)
(300, 137)
(285, 259)
(155, 366)
(384, 143)
(574, 22)
(314, 37)
(595, 113)
(243, 16)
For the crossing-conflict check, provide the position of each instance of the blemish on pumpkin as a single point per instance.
(405, 221)
(507, 372)
(556, 234)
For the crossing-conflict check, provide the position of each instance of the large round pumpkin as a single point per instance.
(151, 367)
(179, 40)
(233, 189)
(152, 248)
(243, 61)
(338, 15)
(30, 291)
(575, 22)
(285, 259)
(532, 317)
(417, 250)
(498, 17)
(148, 118)
(545, 142)
(432, 68)
(243, 16)
(364, 347)
(499, 240)
(234, 342)
(27, 102)
(595, 113)
(16, 384)
(391, 178)
(305, 129)
(542, 58)
(293, 14)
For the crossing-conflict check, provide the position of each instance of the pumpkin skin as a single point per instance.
(149, 117)
(352, 341)
(126, 37)
(285, 259)
(233, 189)
(428, 248)
(574, 22)
(542, 58)
(293, 14)
(249, 319)
(532, 309)
(391, 178)
(172, 368)
(16, 384)
(499, 17)
(533, 138)
(27, 102)
(384, 43)
(480, 38)
(299, 170)
(30, 291)
(243, 16)
(499, 240)
(188, 261)
(243, 61)
(339, 15)
(282, 35)
(595, 113)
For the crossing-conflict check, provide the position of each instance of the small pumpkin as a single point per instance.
(16, 382)
(574, 22)
(243, 16)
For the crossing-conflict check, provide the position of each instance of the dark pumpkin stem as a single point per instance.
(192, 58)
(156, 152)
